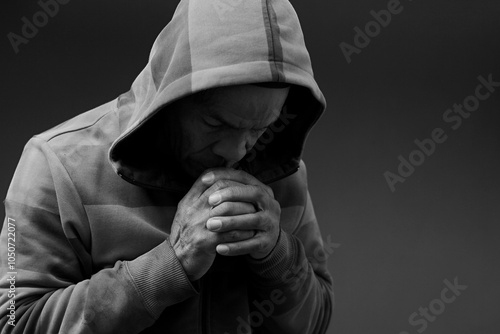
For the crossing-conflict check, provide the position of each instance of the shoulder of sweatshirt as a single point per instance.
(100, 124)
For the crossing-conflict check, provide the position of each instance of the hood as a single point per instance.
(213, 43)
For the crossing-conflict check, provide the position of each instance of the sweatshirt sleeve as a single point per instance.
(293, 281)
(49, 279)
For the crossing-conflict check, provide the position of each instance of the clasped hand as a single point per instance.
(226, 211)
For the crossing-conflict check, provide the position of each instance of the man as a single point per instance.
(181, 206)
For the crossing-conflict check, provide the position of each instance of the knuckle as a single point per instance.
(249, 207)
(233, 183)
(181, 203)
(227, 222)
(228, 184)
(260, 191)
(239, 173)
(220, 184)
(251, 234)
(267, 219)
(238, 191)
(268, 190)
(197, 241)
(219, 210)
(261, 246)
(237, 208)
(233, 235)
(262, 222)
(189, 209)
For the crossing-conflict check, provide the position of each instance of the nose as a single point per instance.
(232, 148)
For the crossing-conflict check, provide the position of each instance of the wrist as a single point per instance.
(275, 268)
(270, 252)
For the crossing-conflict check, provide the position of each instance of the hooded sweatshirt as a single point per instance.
(92, 200)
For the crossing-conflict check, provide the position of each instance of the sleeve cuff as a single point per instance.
(273, 269)
(160, 279)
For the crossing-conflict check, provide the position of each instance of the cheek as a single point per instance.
(195, 139)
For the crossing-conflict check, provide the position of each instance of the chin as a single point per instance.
(194, 170)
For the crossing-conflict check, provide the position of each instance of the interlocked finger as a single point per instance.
(232, 209)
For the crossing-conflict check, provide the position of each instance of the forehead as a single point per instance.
(246, 106)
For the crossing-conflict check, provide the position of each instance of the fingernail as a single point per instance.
(214, 224)
(214, 199)
(208, 178)
(222, 249)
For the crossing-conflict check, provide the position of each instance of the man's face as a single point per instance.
(220, 129)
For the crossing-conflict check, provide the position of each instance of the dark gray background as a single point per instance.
(396, 247)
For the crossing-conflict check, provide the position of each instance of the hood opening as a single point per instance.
(259, 42)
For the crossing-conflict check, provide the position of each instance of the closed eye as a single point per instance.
(212, 122)
(215, 124)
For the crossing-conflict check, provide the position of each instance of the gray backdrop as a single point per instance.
(395, 249)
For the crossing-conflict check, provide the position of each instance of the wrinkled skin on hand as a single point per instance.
(228, 212)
